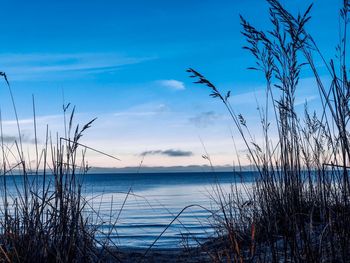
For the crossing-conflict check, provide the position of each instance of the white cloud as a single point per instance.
(53, 66)
(30, 121)
(142, 110)
(172, 84)
(204, 119)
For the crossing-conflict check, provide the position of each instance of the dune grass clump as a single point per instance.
(43, 214)
(298, 209)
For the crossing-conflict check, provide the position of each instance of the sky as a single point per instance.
(124, 63)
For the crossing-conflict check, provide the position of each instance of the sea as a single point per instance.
(162, 210)
(165, 210)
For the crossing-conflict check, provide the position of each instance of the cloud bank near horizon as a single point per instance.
(169, 152)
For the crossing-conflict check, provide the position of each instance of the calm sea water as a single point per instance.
(153, 201)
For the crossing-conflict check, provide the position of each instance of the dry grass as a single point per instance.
(43, 217)
(298, 209)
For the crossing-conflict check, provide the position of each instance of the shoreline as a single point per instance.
(137, 254)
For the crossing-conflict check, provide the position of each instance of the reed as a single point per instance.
(44, 217)
(298, 209)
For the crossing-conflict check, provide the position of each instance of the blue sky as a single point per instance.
(124, 62)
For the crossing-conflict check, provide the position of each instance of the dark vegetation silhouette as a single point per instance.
(298, 208)
(43, 217)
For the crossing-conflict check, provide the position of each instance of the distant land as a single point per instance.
(171, 169)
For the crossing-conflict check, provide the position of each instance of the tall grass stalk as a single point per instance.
(298, 209)
(43, 217)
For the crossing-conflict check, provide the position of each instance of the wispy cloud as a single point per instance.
(303, 100)
(52, 66)
(172, 84)
(25, 138)
(142, 110)
(204, 119)
(52, 122)
(45, 119)
(169, 152)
